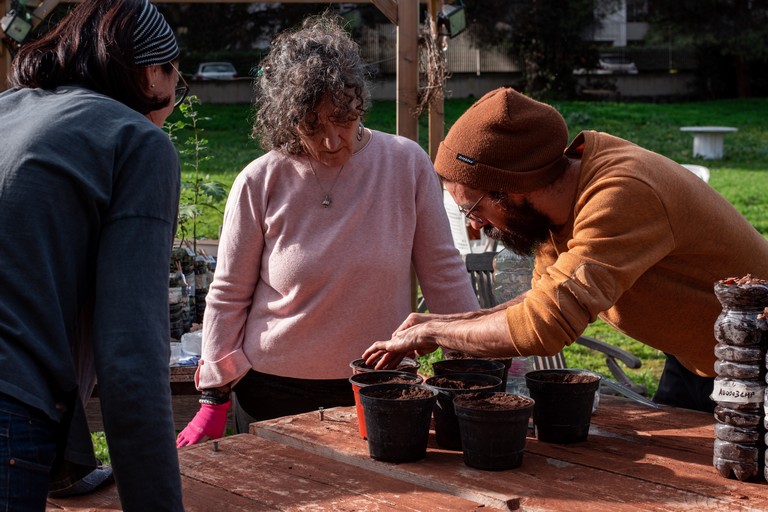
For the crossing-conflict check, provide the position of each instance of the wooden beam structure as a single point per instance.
(403, 13)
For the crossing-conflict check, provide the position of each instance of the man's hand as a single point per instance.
(411, 338)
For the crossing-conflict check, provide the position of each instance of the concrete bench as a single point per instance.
(708, 140)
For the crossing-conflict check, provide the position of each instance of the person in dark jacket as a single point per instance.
(89, 191)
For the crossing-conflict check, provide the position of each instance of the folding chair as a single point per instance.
(480, 268)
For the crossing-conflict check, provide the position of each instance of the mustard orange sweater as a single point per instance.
(646, 243)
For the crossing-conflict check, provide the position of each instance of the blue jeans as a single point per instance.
(27, 450)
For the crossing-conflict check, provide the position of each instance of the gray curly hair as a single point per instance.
(305, 65)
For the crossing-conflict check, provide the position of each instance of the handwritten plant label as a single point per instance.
(738, 392)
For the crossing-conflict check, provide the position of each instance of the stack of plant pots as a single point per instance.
(449, 386)
(363, 379)
(739, 390)
(177, 305)
(203, 279)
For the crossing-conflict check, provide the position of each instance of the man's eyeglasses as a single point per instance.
(181, 90)
(468, 212)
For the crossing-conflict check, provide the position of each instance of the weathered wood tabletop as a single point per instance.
(636, 458)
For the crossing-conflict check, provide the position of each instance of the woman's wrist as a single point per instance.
(215, 396)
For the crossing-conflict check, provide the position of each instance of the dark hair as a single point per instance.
(304, 66)
(92, 47)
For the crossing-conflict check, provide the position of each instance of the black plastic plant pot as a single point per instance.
(397, 420)
(564, 400)
(493, 428)
(361, 380)
(449, 386)
(407, 365)
(487, 366)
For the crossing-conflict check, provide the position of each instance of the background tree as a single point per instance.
(730, 38)
(241, 33)
(545, 37)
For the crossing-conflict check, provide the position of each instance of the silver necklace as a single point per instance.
(326, 194)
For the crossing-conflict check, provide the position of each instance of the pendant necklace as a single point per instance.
(326, 194)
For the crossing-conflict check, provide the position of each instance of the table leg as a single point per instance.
(708, 145)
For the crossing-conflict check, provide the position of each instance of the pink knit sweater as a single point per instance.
(301, 290)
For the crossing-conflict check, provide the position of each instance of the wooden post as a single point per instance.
(436, 106)
(407, 68)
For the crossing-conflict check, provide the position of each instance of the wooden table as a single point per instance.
(636, 459)
(708, 140)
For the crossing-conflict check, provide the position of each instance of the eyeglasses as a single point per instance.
(468, 213)
(181, 90)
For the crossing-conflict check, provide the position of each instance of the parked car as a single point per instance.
(215, 71)
(617, 64)
(610, 64)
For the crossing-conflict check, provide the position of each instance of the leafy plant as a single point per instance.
(201, 192)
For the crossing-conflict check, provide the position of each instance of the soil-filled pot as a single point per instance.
(506, 361)
(407, 365)
(564, 400)
(486, 366)
(361, 380)
(493, 428)
(397, 420)
(447, 432)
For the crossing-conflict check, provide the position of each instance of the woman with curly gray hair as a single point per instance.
(319, 238)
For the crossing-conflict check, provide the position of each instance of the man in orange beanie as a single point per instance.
(618, 232)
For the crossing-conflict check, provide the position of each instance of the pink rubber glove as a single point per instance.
(209, 422)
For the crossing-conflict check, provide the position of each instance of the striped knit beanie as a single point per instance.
(153, 39)
(505, 142)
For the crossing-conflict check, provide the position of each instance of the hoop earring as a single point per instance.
(360, 128)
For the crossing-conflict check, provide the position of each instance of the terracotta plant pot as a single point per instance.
(397, 420)
(361, 380)
(493, 429)
(407, 365)
(564, 400)
(451, 385)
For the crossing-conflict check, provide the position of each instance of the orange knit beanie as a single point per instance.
(505, 142)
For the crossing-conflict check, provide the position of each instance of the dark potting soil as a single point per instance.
(396, 380)
(493, 401)
(745, 280)
(463, 368)
(411, 393)
(566, 378)
(449, 383)
(404, 366)
(455, 354)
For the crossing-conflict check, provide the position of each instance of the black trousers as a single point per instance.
(680, 387)
(260, 396)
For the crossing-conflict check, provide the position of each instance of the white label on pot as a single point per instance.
(737, 392)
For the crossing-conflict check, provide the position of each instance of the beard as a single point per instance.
(525, 227)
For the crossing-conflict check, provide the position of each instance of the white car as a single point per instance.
(215, 71)
(610, 64)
